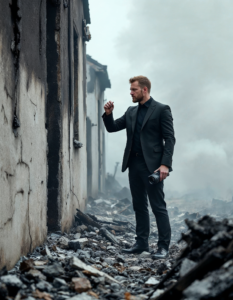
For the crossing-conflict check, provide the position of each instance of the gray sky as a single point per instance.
(185, 47)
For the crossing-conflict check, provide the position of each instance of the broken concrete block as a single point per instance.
(77, 235)
(26, 265)
(77, 244)
(77, 264)
(13, 284)
(63, 242)
(83, 296)
(145, 254)
(151, 281)
(80, 285)
(135, 268)
(120, 258)
(44, 286)
(32, 274)
(81, 228)
(54, 270)
(11, 281)
(58, 282)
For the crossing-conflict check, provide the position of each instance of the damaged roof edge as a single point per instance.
(86, 11)
(101, 70)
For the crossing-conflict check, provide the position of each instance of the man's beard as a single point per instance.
(138, 99)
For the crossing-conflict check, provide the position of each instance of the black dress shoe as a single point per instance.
(160, 254)
(137, 248)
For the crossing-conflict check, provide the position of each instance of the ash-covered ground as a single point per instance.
(87, 263)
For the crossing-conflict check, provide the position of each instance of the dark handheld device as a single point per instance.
(154, 178)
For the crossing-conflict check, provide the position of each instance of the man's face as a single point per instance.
(136, 92)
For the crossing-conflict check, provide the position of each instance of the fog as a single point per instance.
(186, 49)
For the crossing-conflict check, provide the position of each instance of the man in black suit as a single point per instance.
(149, 148)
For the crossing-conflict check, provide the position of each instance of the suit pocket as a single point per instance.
(158, 149)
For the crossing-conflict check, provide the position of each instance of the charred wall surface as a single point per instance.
(66, 112)
(23, 162)
(43, 176)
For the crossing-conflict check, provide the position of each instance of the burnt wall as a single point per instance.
(66, 119)
(23, 161)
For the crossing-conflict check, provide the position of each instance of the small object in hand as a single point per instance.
(154, 178)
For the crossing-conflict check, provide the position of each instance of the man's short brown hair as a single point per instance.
(142, 81)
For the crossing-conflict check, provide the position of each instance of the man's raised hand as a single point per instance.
(108, 107)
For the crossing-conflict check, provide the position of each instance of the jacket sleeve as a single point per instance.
(168, 136)
(114, 125)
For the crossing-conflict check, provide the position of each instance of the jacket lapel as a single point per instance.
(149, 112)
(134, 117)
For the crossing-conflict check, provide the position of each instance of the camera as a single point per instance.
(154, 178)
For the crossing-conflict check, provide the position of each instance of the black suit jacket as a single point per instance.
(157, 134)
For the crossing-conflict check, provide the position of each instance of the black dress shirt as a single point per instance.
(142, 110)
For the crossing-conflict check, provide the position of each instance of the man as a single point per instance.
(149, 148)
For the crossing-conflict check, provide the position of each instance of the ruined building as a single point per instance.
(97, 82)
(43, 154)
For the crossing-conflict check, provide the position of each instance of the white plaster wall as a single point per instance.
(23, 169)
(74, 161)
(92, 113)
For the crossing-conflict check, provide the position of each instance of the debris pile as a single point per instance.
(204, 270)
(87, 263)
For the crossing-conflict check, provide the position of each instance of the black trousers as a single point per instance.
(140, 188)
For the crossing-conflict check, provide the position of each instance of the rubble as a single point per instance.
(87, 263)
(202, 269)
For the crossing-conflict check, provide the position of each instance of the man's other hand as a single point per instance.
(108, 107)
(164, 172)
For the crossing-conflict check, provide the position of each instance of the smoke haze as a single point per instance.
(185, 48)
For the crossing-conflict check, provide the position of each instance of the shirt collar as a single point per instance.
(147, 103)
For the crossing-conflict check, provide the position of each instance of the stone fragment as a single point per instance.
(111, 248)
(120, 278)
(80, 285)
(35, 274)
(82, 253)
(115, 287)
(44, 286)
(63, 242)
(109, 261)
(120, 258)
(54, 270)
(77, 244)
(151, 281)
(145, 254)
(135, 268)
(81, 228)
(12, 281)
(83, 296)
(58, 282)
(77, 264)
(77, 235)
(13, 284)
(39, 263)
(156, 294)
(26, 265)
(186, 266)
(41, 295)
(91, 293)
